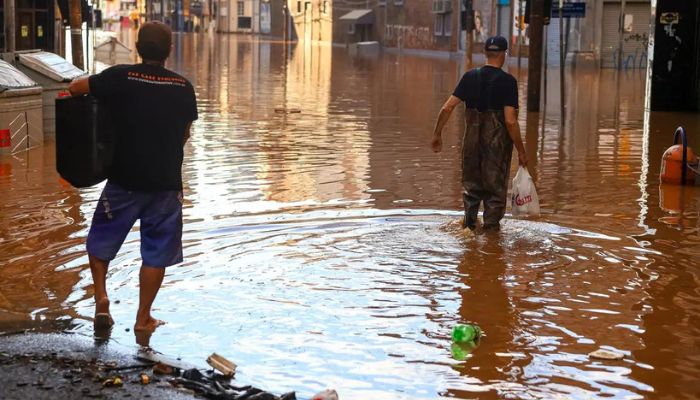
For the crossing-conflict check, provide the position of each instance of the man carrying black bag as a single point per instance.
(153, 109)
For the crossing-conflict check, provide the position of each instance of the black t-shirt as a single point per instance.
(498, 89)
(151, 107)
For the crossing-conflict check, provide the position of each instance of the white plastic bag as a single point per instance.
(524, 201)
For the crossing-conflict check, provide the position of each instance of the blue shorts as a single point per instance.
(161, 224)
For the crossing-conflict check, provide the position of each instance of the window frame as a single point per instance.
(447, 23)
(439, 25)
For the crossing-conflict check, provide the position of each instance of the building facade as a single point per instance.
(310, 20)
(596, 37)
(248, 16)
(34, 22)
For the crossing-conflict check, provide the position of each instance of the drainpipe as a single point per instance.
(622, 35)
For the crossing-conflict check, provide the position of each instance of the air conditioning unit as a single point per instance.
(442, 6)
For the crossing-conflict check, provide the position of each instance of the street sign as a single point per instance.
(669, 18)
(570, 10)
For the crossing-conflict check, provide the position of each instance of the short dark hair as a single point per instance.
(154, 41)
(493, 53)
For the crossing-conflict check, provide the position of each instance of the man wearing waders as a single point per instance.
(491, 118)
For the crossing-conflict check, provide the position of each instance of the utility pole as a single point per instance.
(544, 93)
(76, 33)
(520, 32)
(469, 28)
(285, 21)
(493, 29)
(534, 64)
(10, 25)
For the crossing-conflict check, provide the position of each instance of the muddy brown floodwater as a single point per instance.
(322, 250)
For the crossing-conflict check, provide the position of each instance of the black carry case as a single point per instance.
(84, 140)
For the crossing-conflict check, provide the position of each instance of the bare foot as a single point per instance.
(149, 325)
(103, 319)
(143, 338)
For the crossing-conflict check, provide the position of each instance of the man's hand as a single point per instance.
(522, 158)
(444, 115)
(79, 87)
(436, 144)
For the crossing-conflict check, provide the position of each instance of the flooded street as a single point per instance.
(323, 248)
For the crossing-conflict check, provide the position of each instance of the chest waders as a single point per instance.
(486, 152)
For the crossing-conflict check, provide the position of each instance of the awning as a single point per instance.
(359, 17)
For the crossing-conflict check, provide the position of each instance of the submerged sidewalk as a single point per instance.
(50, 366)
(68, 366)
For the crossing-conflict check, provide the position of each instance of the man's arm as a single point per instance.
(511, 114)
(443, 117)
(79, 87)
(187, 133)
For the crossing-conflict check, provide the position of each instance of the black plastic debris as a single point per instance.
(212, 385)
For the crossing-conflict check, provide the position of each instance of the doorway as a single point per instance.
(24, 31)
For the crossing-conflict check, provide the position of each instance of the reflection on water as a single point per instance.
(322, 249)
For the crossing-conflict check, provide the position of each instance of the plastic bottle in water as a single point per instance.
(465, 333)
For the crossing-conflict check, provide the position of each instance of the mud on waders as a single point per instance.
(486, 153)
(679, 165)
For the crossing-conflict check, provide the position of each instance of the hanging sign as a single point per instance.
(570, 10)
(669, 18)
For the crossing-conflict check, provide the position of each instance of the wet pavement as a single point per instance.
(51, 366)
(323, 247)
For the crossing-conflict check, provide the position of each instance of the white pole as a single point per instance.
(561, 62)
(620, 53)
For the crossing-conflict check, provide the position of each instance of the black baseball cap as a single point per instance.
(496, 43)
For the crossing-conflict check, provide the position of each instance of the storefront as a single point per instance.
(34, 25)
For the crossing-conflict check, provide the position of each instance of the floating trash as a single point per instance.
(221, 364)
(606, 355)
(112, 382)
(465, 333)
(328, 394)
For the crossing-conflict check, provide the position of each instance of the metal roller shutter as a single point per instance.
(634, 43)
